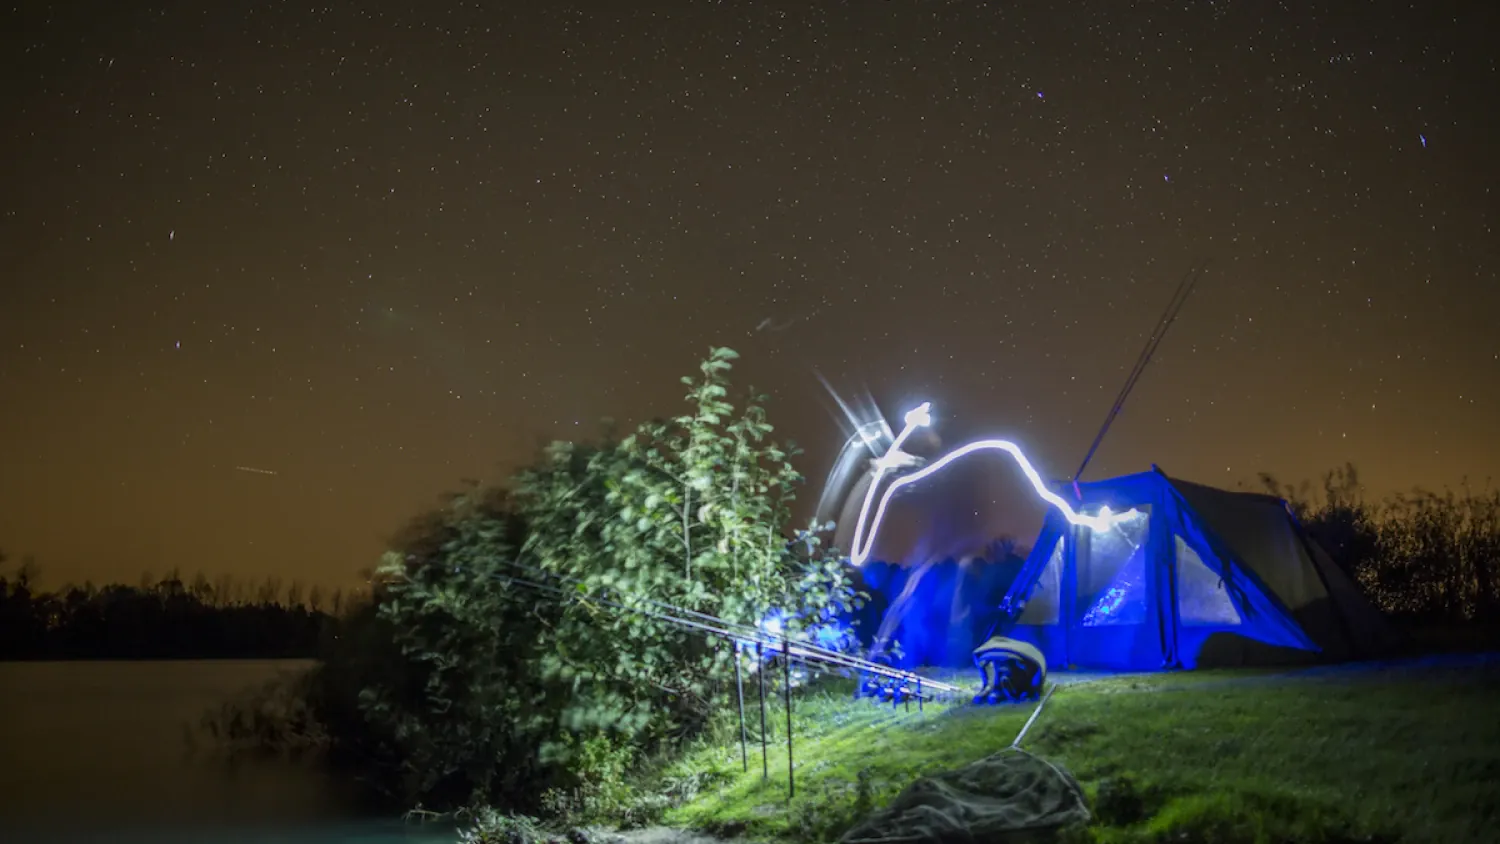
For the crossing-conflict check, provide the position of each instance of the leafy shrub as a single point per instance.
(462, 683)
(685, 514)
(491, 827)
(463, 707)
(1422, 555)
(596, 789)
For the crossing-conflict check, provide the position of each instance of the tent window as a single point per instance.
(1042, 605)
(1202, 599)
(1112, 573)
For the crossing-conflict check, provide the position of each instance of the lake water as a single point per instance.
(99, 752)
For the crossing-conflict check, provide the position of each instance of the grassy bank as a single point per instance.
(1409, 752)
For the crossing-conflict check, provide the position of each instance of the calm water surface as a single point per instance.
(99, 751)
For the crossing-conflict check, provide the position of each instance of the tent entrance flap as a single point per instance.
(1113, 623)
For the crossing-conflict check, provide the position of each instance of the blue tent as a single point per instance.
(1199, 577)
(938, 612)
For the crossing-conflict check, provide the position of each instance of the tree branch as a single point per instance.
(687, 532)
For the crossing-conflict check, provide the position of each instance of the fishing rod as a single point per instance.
(749, 632)
(741, 634)
(1179, 298)
(736, 631)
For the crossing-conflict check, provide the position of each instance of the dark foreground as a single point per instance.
(1406, 750)
(103, 752)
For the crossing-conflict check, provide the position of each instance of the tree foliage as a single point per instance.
(1425, 556)
(484, 679)
(461, 707)
(687, 512)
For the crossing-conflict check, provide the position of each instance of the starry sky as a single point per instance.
(373, 248)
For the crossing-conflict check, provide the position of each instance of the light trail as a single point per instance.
(255, 471)
(871, 433)
(921, 417)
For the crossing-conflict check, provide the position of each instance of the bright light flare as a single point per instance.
(772, 625)
(921, 417)
(871, 433)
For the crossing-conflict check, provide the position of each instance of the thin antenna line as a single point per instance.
(1168, 317)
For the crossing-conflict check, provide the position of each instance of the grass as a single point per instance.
(1396, 754)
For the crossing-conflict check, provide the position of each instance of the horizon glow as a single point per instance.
(921, 417)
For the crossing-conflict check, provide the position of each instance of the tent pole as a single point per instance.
(1153, 340)
(1169, 620)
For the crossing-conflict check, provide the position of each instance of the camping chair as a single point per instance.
(1010, 670)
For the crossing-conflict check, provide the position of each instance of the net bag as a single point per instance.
(1006, 798)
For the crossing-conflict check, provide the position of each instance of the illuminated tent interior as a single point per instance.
(1198, 577)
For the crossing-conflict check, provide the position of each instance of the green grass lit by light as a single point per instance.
(1229, 757)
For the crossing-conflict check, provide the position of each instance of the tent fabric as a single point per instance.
(1006, 798)
(1197, 577)
(936, 611)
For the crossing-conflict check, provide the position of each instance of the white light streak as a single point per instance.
(921, 417)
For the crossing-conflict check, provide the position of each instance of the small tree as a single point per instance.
(467, 673)
(683, 513)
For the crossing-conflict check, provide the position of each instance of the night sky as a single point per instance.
(375, 248)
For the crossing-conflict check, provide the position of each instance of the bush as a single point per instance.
(491, 827)
(597, 790)
(688, 514)
(508, 622)
(1422, 556)
(276, 718)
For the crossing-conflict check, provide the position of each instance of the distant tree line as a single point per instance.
(162, 619)
(1424, 557)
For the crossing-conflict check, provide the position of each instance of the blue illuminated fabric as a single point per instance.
(1201, 577)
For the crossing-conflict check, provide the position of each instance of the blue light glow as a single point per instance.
(1108, 605)
(773, 624)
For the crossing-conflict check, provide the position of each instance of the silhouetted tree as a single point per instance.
(164, 619)
(1420, 555)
